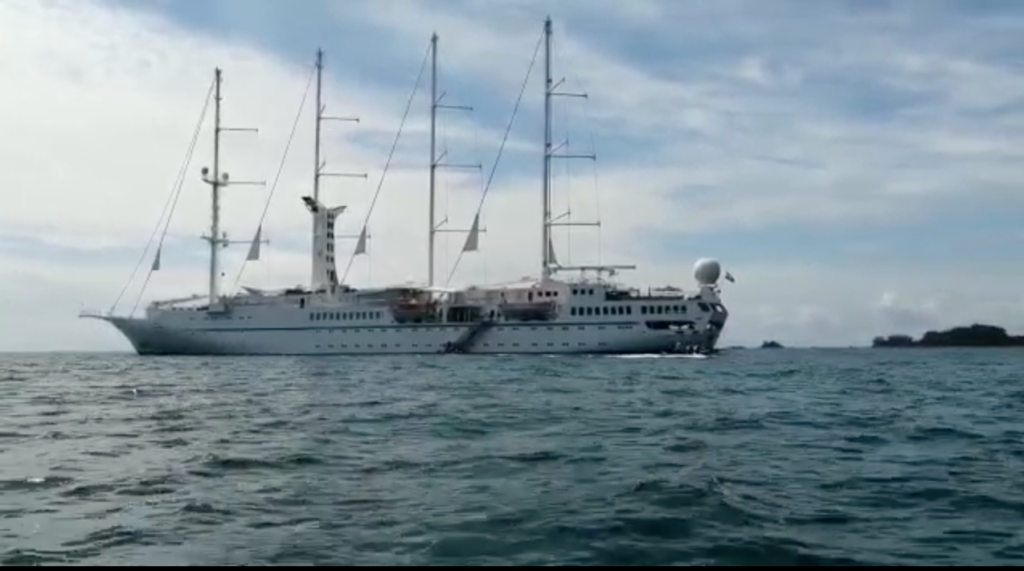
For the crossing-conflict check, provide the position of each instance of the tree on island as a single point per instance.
(976, 335)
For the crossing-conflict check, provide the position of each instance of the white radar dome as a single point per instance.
(707, 271)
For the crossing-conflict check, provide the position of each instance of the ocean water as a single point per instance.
(755, 457)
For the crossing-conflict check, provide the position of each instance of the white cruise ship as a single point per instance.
(587, 313)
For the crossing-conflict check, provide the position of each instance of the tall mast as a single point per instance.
(435, 162)
(319, 119)
(433, 159)
(317, 166)
(550, 152)
(546, 189)
(321, 164)
(217, 179)
(215, 184)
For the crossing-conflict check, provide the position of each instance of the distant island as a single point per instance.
(976, 335)
(771, 345)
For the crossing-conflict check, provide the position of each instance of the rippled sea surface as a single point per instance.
(786, 457)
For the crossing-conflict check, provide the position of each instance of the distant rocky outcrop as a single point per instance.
(771, 345)
(976, 335)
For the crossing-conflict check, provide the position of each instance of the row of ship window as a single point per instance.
(416, 345)
(574, 311)
(347, 316)
(361, 330)
(628, 310)
(660, 309)
(606, 310)
(428, 329)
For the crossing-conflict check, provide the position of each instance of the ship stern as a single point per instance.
(717, 318)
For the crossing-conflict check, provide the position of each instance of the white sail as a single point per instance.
(361, 244)
(473, 240)
(254, 248)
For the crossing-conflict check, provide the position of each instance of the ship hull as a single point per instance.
(152, 338)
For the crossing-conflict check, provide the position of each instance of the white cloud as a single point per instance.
(98, 104)
(708, 123)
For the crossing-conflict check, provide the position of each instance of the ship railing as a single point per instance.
(162, 303)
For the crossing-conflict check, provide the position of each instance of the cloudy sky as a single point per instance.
(857, 165)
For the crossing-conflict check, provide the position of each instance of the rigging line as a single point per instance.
(170, 214)
(593, 150)
(369, 265)
(167, 225)
(391, 154)
(568, 169)
(280, 167)
(447, 193)
(480, 159)
(504, 140)
(597, 188)
(175, 190)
